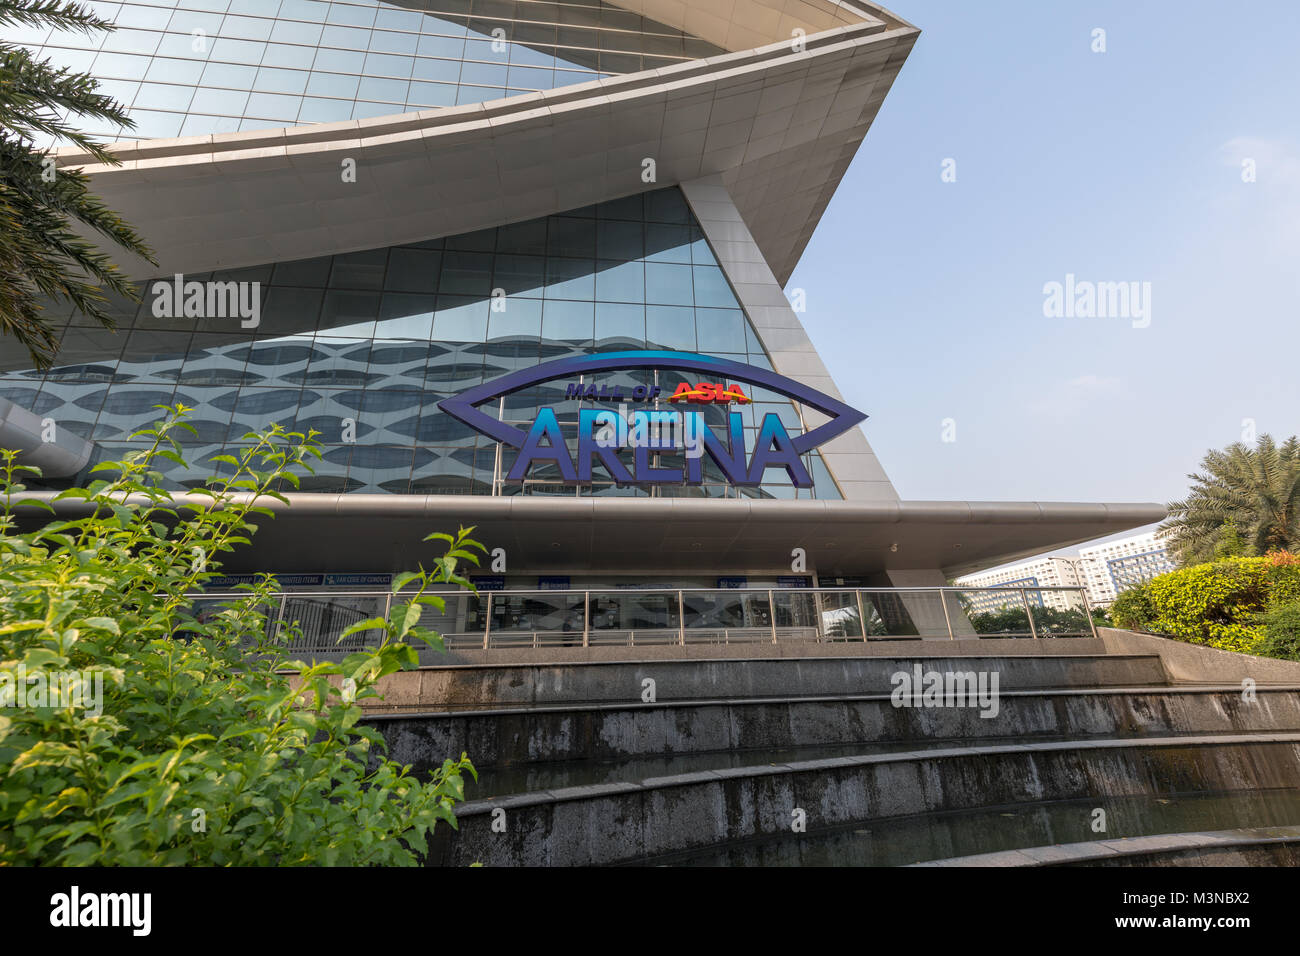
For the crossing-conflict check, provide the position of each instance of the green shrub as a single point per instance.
(1281, 636)
(1132, 609)
(197, 750)
(1218, 604)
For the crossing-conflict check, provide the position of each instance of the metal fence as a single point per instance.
(312, 622)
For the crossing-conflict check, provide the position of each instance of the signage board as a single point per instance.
(670, 421)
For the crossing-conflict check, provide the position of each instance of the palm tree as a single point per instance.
(42, 255)
(1247, 499)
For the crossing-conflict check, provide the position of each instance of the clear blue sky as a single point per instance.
(926, 298)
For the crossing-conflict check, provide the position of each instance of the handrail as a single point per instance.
(382, 592)
(499, 618)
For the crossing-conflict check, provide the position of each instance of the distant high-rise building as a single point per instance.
(1038, 573)
(1115, 566)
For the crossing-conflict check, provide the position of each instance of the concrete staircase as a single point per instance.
(768, 759)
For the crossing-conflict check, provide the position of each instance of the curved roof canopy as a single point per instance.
(779, 119)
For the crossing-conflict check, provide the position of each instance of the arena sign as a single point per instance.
(669, 427)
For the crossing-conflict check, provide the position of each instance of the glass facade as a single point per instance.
(362, 346)
(196, 67)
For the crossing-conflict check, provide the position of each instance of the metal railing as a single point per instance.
(312, 621)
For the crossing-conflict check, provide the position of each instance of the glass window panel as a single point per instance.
(452, 48)
(466, 273)
(287, 310)
(324, 111)
(391, 19)
(349, 314)
(570, 279)
(517, 318)
(374, 88)
(76, 60)
(521, 55)
(359, 270)
(247, 28)
(270, 80)
(357, 16)
(121, 65)
(311, 10)
(406, 316)
(228, 75)
(265, 8)
(620, 282)
(476, 49)
(668, 284)
(443, 71)
(230, 102)
(665, 243)
(461, 319)
(339, 61)
(620, 323)
(273, 106)
(667, 205)
(570, 77)
(237, 51)
(384, 41)
(289, 57)
(670, 327)
(530, 78)
(197, 124)
(187, 21)
(124, 91)
(349, 38)
(477, 94)
(183, 45)
(570, 322)
(483, 74)
(413, 270)
(333, 84)
(288, 31)
(523, 237)
(172, 70)
(520, 275)
(302, 272)
(431, 94)
(719, 330)
(711, 288)
(571, 237)
(387, 64)
(152, 125)
(619, 240)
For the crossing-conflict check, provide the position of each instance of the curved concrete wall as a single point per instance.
(611, 823)
(619, 731)
(622, 681)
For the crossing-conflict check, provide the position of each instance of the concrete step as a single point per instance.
(1025, 834)
(1245, 846)
(603, 733)
(620, 822)
(627, 682)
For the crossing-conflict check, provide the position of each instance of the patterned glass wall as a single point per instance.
(377, 338)
(195, 67)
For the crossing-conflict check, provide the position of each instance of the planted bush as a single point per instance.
(1218, 604)
(137, 732)
(1281, 637)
